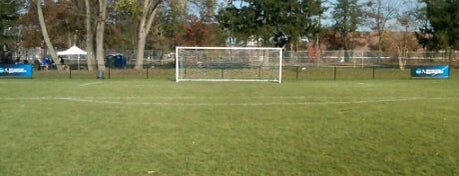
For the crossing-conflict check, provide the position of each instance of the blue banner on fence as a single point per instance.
(16, 70)
(435, 71)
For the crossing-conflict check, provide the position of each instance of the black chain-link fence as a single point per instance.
(289, 73)
(298, 65)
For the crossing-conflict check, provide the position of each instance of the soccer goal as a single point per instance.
(228, 64)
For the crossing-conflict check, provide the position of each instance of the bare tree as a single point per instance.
(100, 37)
(379, 13)
(44, 31)
(89, 37)
(408, 22)
(399, 44)
(149, 10)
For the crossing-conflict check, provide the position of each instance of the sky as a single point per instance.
(326, 19)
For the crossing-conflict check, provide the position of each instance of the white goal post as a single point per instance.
(228, 64)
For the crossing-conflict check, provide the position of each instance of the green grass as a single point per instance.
(155, 126)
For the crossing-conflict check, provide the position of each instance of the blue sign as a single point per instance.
(434, 71)
(16, 70)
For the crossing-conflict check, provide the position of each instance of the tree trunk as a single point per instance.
(91, 60)
(44, 31)
(346, 46)
(100, 38)
(148, 15)
(142, 37)
(402, 54)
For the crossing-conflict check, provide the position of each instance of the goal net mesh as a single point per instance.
(228, 64)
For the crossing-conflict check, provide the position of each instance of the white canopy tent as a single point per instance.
(74, 50)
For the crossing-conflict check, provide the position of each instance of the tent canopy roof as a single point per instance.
(74, 50)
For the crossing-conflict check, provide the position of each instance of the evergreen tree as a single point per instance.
(443, 16)
(271, 22)
(8, 16)
(347, 15)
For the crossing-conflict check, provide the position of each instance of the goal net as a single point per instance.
(228, 64)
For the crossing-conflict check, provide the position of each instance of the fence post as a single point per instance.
(297, 70)
(147, 72)
(334, 72)
(70, 69)
(259, 72)
(373, 72)
(222, 74)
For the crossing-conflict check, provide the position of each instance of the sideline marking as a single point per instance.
(312, 101)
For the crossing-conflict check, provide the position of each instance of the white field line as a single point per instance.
(88, 84)
(272, 100)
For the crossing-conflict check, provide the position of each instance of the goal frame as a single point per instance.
(177, 63)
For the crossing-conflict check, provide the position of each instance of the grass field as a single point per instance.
(155, 126)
